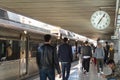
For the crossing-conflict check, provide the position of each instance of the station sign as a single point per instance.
(114, 37)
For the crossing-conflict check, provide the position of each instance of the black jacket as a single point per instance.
(86, 51)
(47, 57)
(65, 53)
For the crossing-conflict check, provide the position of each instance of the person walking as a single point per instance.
(93, 51)
(99, 55)
(47, 60)
(107, 47)
(86, 54)
(111, 52)
(65, 56)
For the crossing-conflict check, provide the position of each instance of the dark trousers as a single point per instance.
(106, 58)
(86, 64)
(100, 63)
(47, 73)
(65, 70)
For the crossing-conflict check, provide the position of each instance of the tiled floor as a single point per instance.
(76, 73)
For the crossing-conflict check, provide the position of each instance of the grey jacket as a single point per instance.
(99, 53)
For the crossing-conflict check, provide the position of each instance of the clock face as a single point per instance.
(100, 20)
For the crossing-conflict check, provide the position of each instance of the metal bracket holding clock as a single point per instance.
(100, 20)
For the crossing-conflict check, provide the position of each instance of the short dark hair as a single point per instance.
(86, 42)
(111, 61)
(47, 37)
(65, 39)
(106, 42)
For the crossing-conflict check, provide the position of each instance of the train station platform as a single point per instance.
(77, 74)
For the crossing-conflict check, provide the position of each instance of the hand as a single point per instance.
(60, 75)
(103, 75)
(92, 59)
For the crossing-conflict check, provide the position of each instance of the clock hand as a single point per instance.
(100, 19)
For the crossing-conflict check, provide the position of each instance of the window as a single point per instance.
(9, 50)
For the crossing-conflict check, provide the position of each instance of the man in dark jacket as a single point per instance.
(47, 60)
(65, 57)
(106, 52)
(86, 56)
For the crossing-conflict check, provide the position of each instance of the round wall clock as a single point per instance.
(100, 20)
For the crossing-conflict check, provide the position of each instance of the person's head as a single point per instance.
(92, 44)
(9, 45)
(111, 63)
(111, 45)
(99, 45)
(106, 42)
(65, 39)
(47, 38)
(86, 42)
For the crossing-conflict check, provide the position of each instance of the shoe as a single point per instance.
(87, 73)
(84, 72)
(101, 72)
(98, 74)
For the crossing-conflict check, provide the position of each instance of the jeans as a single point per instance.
(111, 79)
(47, 73)
(65, 70)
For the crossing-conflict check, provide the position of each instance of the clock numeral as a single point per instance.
(100, 13)
(107, 19)
(94, 16)
(97, 14)
(106, 16)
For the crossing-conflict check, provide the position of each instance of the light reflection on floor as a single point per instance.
(76, 74)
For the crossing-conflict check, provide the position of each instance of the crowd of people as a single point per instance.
(48, 59)
(101, 56)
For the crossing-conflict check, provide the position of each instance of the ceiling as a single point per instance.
(73, 15)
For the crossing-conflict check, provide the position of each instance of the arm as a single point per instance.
(56, 62)
(38, 57)
(90, 52)
(79, 49)
(59, 52)
(71, 55)
(81, 52)
(95, 54)
(108, 76)
(103, 52)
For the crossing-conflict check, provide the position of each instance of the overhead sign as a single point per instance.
(114, 37)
